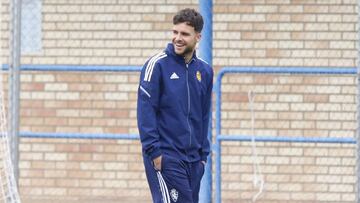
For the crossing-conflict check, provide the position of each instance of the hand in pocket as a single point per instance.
(157, 163)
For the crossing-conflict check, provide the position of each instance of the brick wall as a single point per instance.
(285, 33)
(246, 33)
(290, 106)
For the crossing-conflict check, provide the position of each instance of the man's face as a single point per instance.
(184, 39)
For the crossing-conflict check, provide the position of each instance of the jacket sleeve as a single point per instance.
(206, 117)
(147, 108)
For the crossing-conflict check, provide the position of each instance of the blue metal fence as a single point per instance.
(78, 68)
(266, 70)
(217, 89)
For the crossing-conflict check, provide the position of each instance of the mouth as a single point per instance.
(179, 45)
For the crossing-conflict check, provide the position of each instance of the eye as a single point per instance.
(185, 34)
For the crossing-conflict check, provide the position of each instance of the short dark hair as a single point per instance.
(191, 17)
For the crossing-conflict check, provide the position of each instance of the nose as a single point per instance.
(178, 37)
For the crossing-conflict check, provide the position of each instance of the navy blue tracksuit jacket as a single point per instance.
(173, 113)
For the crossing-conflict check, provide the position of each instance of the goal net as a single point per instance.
(8, 186)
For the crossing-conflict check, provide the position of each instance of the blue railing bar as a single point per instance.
(79, 136)
(85, 68)
(336, 140)
(288, 70)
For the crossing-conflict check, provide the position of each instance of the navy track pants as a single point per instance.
(177, 182)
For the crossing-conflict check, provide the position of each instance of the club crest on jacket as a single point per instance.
(198, 76)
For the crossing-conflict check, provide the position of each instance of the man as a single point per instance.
(174, 100)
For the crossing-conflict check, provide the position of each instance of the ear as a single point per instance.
(198, 36)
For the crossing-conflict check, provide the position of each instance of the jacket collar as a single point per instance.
(171, 50)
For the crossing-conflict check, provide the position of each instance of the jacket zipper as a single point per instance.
(188, 91)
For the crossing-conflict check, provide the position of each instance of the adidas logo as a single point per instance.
(174, 76)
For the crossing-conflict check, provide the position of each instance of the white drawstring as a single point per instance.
(258, 180)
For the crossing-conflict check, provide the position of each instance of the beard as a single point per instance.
(188, 49)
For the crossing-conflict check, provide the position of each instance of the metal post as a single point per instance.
(205, 52)
(217, 140)
(14, 83)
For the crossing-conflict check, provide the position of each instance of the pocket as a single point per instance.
(163, 159)
(171, 164)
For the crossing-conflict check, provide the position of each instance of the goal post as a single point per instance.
(9, 126)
